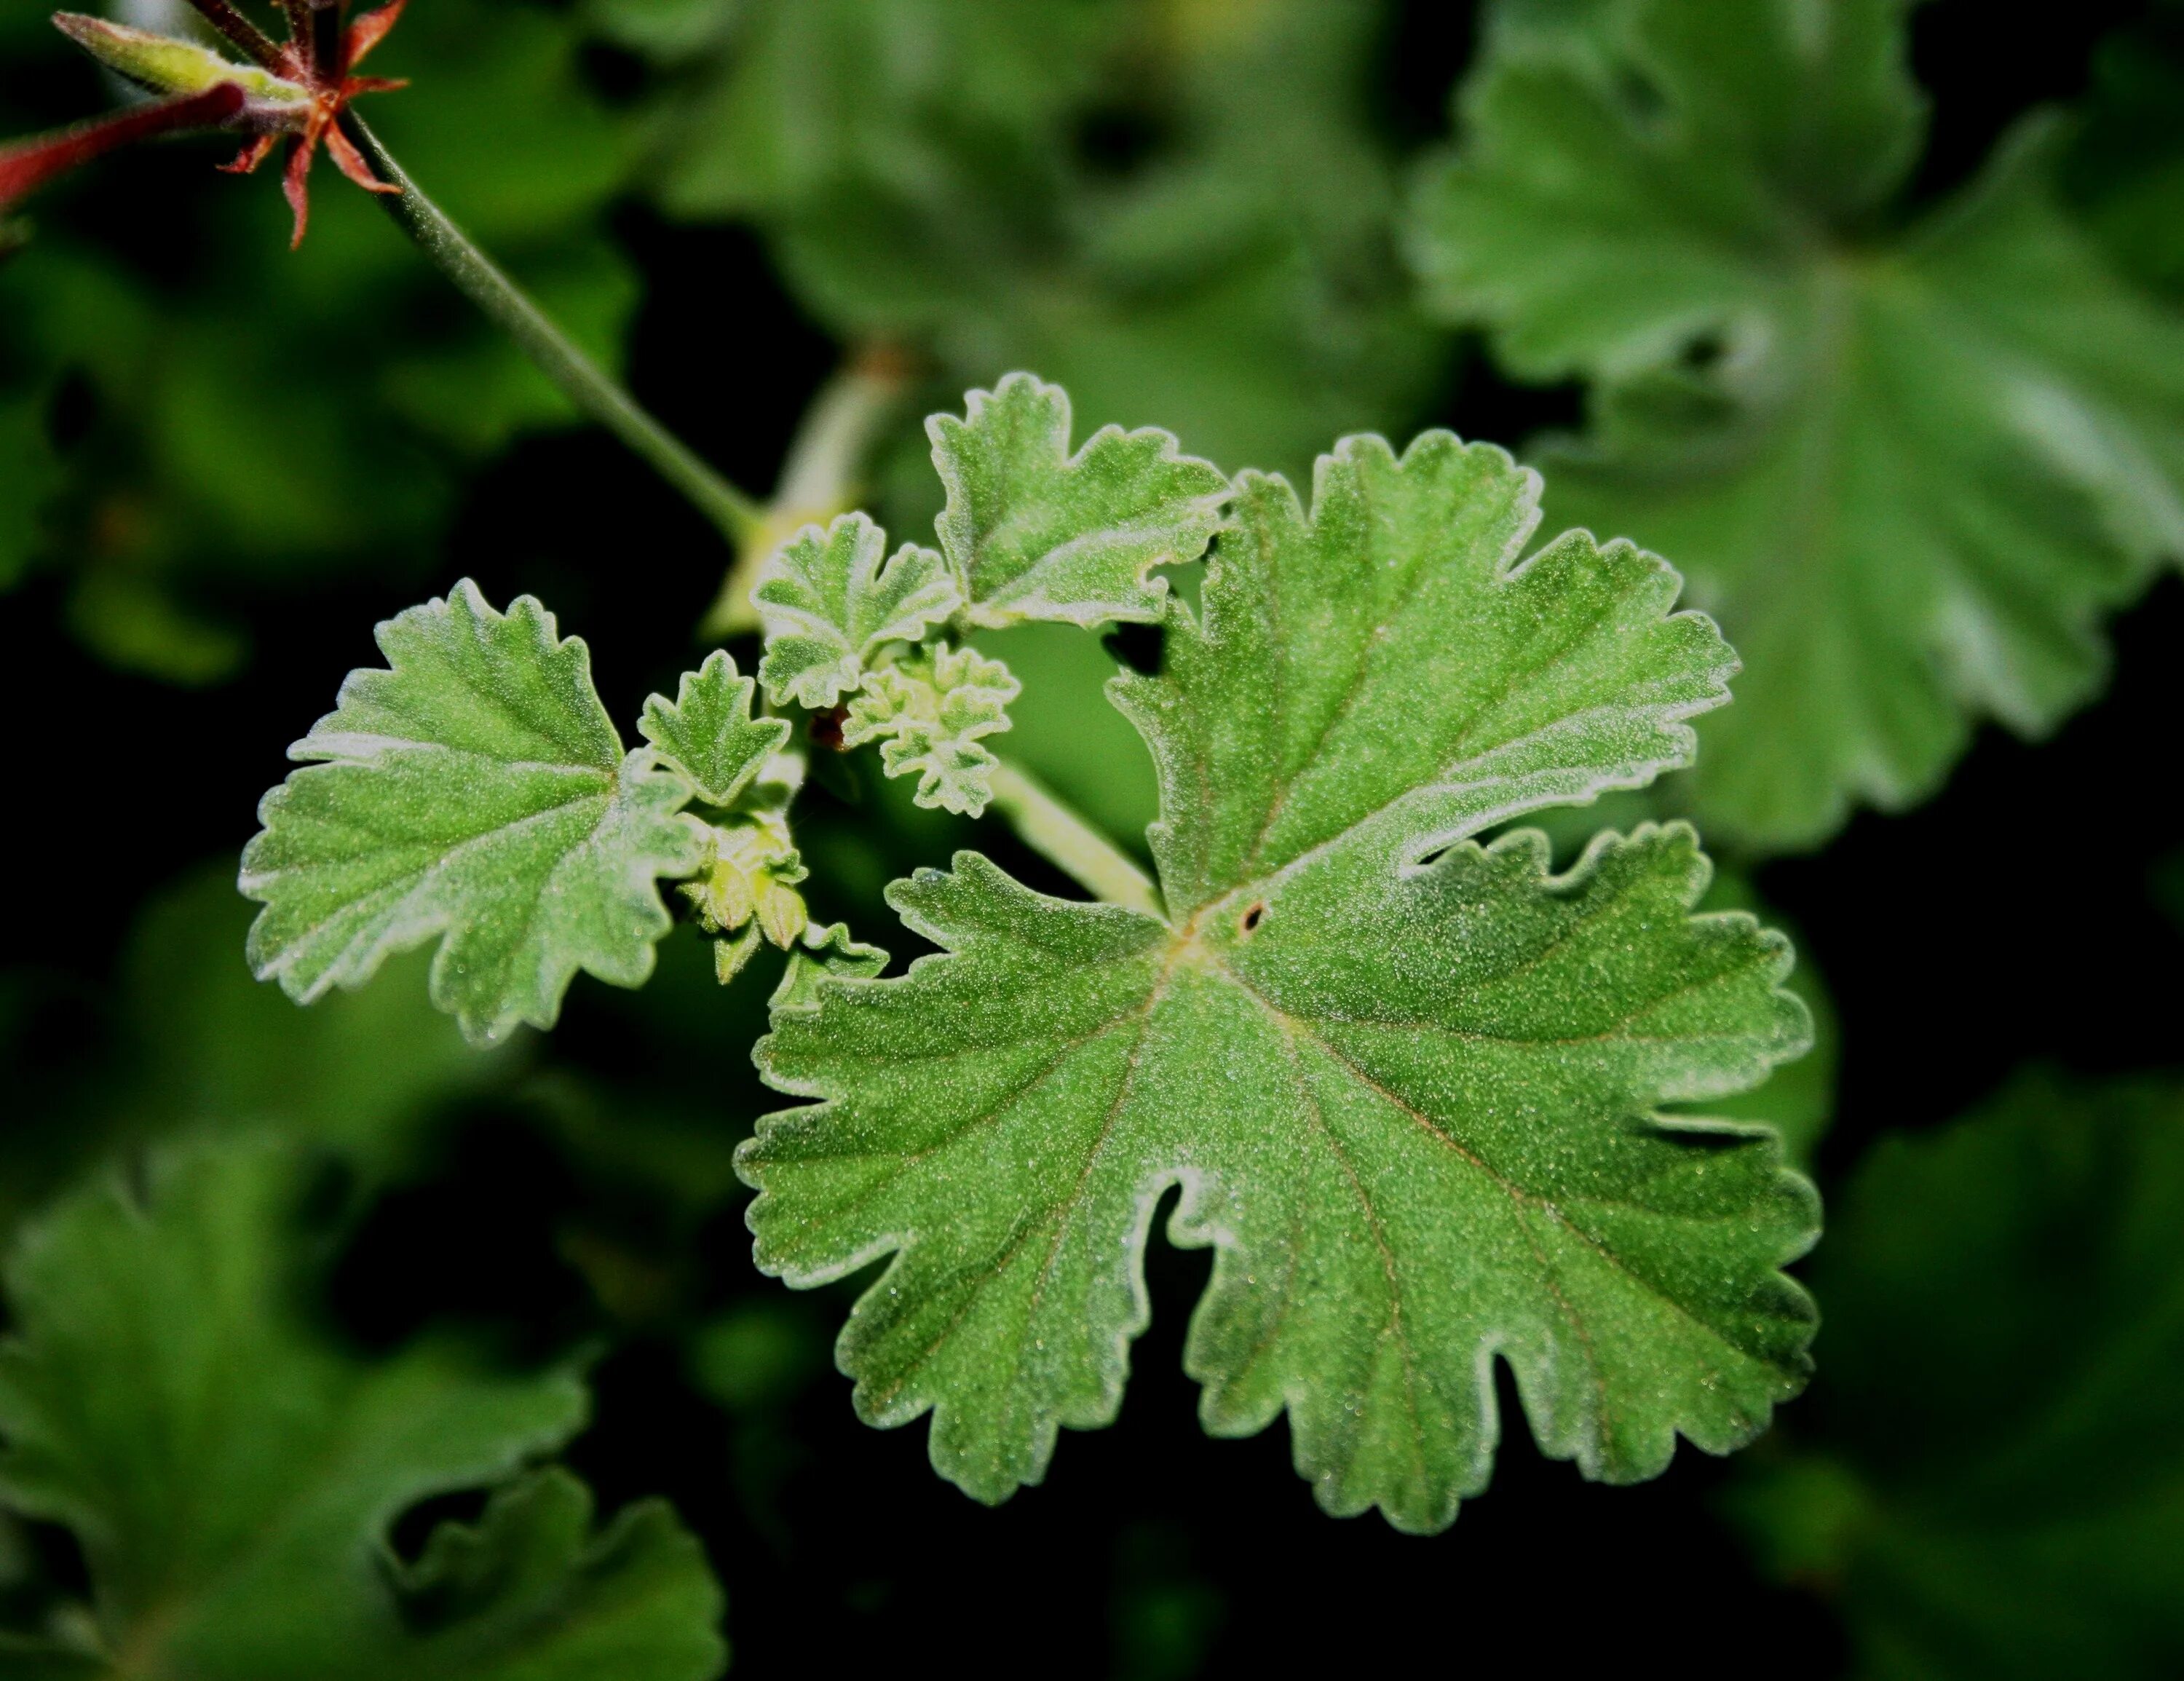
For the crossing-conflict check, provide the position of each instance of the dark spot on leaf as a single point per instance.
(1252, 918)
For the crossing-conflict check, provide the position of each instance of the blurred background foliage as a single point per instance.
(221, 462)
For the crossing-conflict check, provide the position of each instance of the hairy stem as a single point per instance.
(580, 380)
(820, 477)
(1063, 838)
(819, 469)
(29, 165)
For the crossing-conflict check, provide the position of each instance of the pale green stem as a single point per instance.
(1063, 838)
(820, 476)
(580, 380)
(835, 433)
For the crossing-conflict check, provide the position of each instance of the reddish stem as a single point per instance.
(26, 167)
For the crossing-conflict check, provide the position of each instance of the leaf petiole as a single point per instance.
(1050, 828)
(1040, 820)
(738, 518)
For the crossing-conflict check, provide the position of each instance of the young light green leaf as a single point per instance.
(707, 731)
(749, 876)
(232, 1477)
(929, 713)
(1996, 1485)
(1034, 532)
(1410, 1087)
(828, 606)
(1910, 473)
(476, 788)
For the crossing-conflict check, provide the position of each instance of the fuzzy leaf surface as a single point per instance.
(930, 714)
(1034, 533)
(831, 600)
(232, 1475)
(476, 788)
(1910, 473)
(707, 731)
(1408, 1085)
(1998, 1489)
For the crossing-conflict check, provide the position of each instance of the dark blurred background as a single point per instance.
(237, 461)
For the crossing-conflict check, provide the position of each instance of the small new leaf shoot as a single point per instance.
(928, 713)
(750, 876)
(1033, 532)
(707, 734)
(829, 605)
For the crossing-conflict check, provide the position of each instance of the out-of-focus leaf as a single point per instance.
(1908, 470)
(232, 1475)
(923, 168)
(2124, 172)
(279, 416)
(1066, 733)
(359, 1072)
(1992, 1474)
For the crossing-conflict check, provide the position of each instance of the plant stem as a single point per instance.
(29, 165)
(1063, 838)
(820, 477)
(578, 378)
(818, 469)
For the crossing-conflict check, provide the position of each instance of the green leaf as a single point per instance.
(2125, 170)
(1998, 1489)
(474, 789)
(232, 1476)
(918, 169)
(829, 605)
(1032, 531)
(1410, 1087)
(1910, 473)
(27, 475)
(829, 950)
(929, 714)
(361, 1074)
(707, 733)
(533, 1593)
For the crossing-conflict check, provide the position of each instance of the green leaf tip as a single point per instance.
(474, 789)
(830, 601)
(1032, 531)
(1409, 1085)
(233, 1475)
(1911, 471)
(707, 733)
